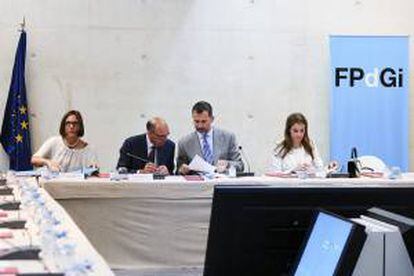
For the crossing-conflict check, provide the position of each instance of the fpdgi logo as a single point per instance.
(387, 77)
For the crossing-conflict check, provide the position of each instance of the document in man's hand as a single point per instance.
(200, 165)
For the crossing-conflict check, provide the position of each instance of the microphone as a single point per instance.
(135, 156)
(248, 173)
(125, 170)
(353, 163)
(155, 175)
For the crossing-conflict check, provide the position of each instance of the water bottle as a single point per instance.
(64, 253)
(232, 170)
(80, 268)
(302, 174)
(395, 173)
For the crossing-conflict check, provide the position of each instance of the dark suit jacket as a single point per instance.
(137, 145)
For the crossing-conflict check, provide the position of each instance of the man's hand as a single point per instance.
(163, 170)
(184, 169)
(222, 166)
(149, 168)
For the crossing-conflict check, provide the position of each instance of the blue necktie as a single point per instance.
(207, 154)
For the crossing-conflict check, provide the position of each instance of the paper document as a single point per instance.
(28, 173)
(140, 177)
(200, 165)
(75, 175)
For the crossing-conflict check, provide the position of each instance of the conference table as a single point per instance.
(141, 223)
(30, 236)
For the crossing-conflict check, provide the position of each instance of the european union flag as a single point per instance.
(15, 136)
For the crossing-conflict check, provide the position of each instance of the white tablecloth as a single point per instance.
(142, 223)
(29, 237)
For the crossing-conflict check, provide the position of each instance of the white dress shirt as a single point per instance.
(149, 148)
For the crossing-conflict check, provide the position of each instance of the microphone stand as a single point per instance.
(248, 173)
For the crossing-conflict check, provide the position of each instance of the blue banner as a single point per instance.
(15, 135)
(369, 104)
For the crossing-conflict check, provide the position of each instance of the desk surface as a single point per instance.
(177, 186)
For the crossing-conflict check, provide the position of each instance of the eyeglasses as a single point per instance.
(73, 123)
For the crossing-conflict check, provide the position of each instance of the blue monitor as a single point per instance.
(332, 247)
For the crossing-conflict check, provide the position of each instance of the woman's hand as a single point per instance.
(53, 165)
(333, 165)
(303, 167)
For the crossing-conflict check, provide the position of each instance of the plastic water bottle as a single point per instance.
(302, 174)
(395, 173)
(232, 171)
(80, 268)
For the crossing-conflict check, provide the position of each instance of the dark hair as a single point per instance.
(150, 125)
(78, 117)
(286, 145)
(202, 106)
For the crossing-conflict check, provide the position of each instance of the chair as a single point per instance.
(372, 163)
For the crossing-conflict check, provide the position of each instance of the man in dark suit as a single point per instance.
(151, 152)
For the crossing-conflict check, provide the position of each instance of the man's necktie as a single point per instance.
(207, 153)
(151, 155)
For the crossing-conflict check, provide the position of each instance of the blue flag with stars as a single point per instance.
(15, 135)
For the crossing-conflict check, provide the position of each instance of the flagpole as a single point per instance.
(23, 24)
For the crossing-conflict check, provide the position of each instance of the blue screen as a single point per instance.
(324, 247)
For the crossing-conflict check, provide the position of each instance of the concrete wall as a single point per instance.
(121, 62)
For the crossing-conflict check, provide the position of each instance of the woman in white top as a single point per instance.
(67, 152)
(296, 152)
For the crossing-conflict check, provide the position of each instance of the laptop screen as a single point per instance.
(325, 245)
